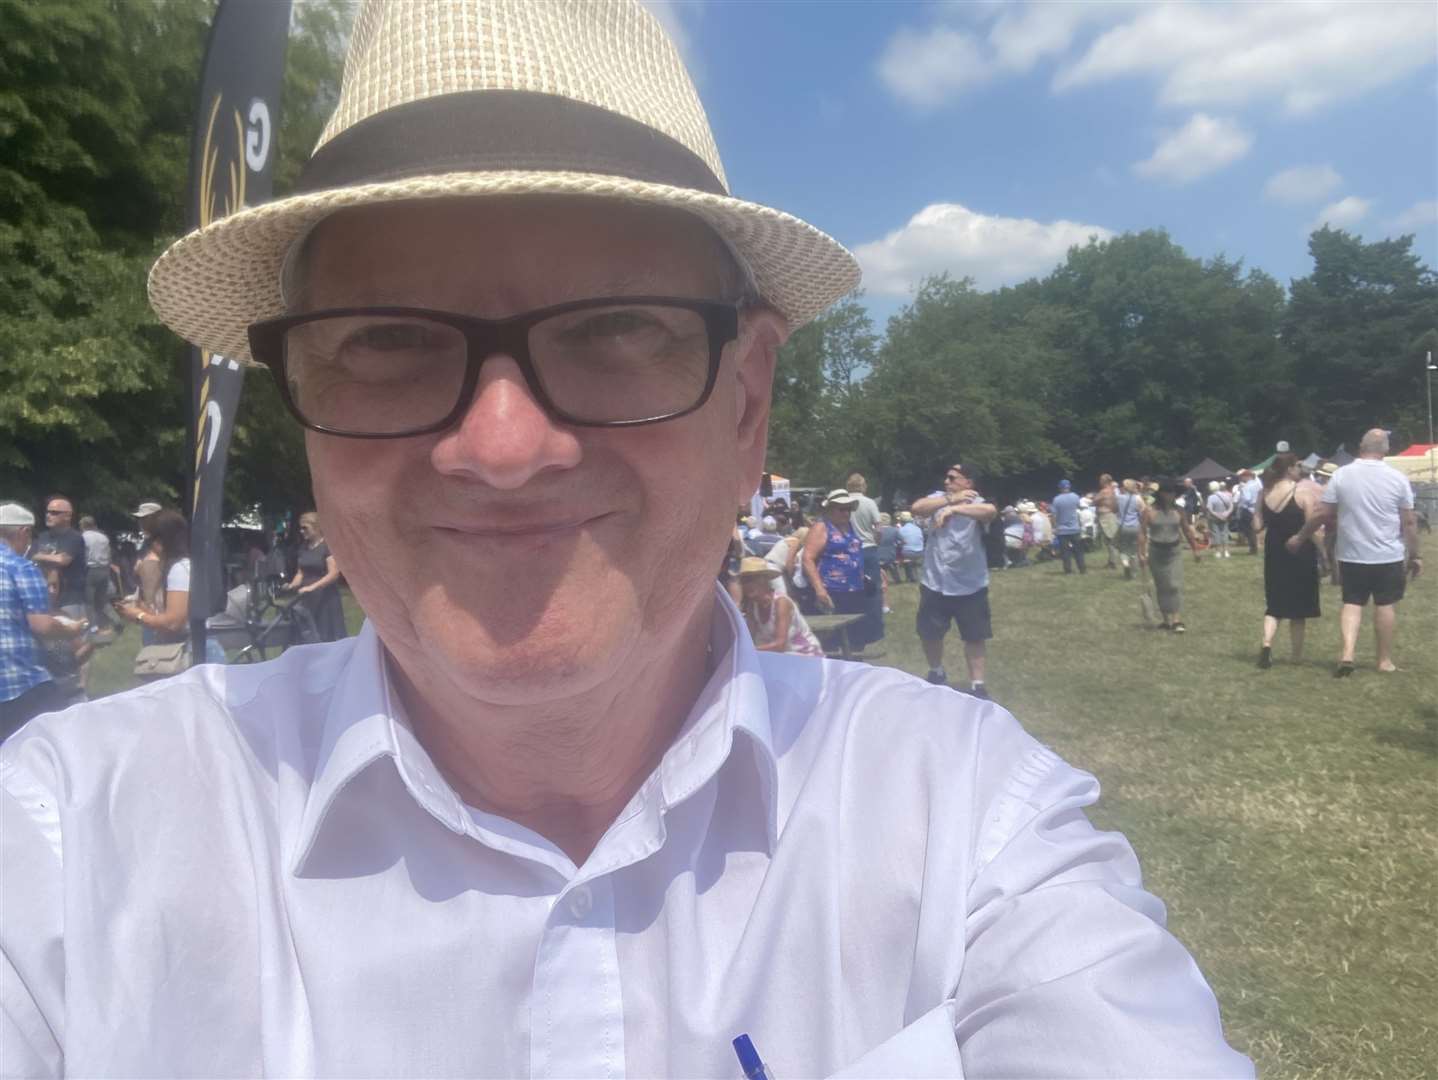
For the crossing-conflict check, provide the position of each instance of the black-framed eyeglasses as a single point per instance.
(393, 372)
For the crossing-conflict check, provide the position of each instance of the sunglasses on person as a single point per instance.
(394, 372)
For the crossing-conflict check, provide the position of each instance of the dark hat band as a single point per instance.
(498, 130)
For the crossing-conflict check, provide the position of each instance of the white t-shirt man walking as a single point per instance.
(1377, 546)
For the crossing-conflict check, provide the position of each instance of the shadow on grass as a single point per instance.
(1423, 742)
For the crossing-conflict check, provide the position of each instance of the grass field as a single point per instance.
(1288, 819)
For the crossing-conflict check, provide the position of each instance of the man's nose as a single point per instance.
(505, 437)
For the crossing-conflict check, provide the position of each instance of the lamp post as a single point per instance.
(1432, 454)
(1431, 369)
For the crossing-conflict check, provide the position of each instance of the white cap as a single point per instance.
(15, 514)
(146, 509)
(840, 497)
(1282, 446)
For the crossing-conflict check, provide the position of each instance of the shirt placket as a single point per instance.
(576, 1012)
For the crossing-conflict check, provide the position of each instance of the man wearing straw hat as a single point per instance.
(550, 813)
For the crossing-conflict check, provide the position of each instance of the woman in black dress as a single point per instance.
(1290, 582)
(317, 581)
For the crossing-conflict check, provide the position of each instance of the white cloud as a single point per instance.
(1420, 216)
(1024, 34)
(1298, 54)
(948, 237)
(1302, 184)
(1203, 145)
(1304, 55)
(927, 69)
(934, 65)
(1345, 213)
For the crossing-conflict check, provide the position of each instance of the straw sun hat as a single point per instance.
(752, 566)
(497, 97)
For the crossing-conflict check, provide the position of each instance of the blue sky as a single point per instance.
(984, 138)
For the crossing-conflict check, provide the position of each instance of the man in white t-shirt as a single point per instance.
(1377, 547)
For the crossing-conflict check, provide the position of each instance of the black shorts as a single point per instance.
(969, 613)
(1384, 582)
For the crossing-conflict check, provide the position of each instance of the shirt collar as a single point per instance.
(364, 723)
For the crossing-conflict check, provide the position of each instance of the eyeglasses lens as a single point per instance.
(623, 362)
(388, 374)
(375, 374)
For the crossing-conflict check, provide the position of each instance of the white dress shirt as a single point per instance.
(258, 870)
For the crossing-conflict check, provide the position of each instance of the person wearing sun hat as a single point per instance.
(775, 622)
(833, 559)
(27, 688)
(549, 813)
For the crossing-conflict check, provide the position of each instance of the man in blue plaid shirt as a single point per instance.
(26, 688)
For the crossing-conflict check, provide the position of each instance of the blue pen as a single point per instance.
(749, 1061)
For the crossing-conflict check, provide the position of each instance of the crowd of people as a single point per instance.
(66, 591)
(1354, 525)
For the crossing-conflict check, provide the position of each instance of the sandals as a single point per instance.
(1179, 628)
(1343, 670)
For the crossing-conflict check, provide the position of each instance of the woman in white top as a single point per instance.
(168, 620)
(775, 622)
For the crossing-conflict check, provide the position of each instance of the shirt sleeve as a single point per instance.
(1068, 968)
(34, 593)
(178, 579)
(32, 964)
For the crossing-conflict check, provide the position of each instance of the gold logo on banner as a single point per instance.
(210, 418)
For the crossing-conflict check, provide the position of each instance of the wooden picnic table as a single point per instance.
(834, 625)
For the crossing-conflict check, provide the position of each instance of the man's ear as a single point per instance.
(761, 332)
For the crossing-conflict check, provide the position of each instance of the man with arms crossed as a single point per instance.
(550, 813)
(1377, 546)
(955, 585)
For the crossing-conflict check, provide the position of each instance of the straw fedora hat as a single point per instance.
(753, 566)
(497, 97)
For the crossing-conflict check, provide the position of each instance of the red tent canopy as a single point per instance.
(1418, 449)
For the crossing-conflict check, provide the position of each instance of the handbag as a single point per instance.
(158, 661)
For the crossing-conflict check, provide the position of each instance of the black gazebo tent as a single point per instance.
(1207, 470)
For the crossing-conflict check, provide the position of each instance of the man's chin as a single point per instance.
(514, 660)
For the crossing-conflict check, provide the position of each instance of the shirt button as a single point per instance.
(581, 900)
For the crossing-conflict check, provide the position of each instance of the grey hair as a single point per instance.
(12, 532)
(1375, 441)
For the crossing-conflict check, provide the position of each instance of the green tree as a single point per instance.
(96, 104)
(954, 381)
(1359, 325)
(1169, 358)
(819, 369)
